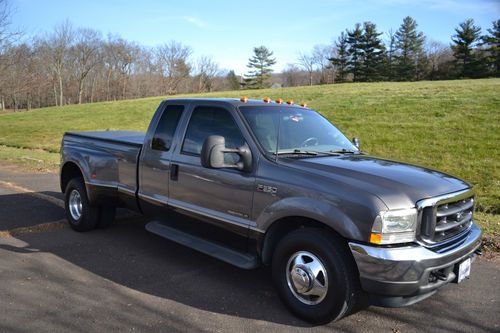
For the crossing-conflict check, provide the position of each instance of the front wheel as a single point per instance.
(315, 275)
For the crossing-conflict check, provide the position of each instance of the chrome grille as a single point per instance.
(443, 220)
(451, 217)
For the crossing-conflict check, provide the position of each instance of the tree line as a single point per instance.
(363, 54)
(71, 65)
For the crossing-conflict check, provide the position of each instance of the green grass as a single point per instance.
(453, 126)
(30, 159)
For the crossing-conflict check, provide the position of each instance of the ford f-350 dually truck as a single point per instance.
(270, 183)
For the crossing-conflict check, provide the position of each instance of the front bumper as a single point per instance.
(400, 276)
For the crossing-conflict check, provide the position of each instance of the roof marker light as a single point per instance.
(289, 102)
(303, 104)
(244, 99)
(279, 101)
(267, 100)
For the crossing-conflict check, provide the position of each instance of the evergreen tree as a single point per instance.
(260, 68)
(340, 62)
(465, 41)
(232, 80)
(492, 40)
(355, 51)
(373, 53)
(409, 45)
(422, 70)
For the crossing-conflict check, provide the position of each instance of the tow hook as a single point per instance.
(479, 251)
(440, 275)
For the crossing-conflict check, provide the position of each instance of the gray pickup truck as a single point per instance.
(270, 183)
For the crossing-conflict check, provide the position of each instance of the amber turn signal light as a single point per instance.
(375, 238)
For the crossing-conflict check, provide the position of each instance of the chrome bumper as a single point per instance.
(405, 271)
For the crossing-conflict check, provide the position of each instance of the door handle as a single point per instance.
(174, 171)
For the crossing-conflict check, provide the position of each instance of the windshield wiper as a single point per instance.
(297, 152)
(307, 152)
(343, 151)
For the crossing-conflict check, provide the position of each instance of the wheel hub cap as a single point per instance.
(301, 279)
(75, 205)
(307, 277)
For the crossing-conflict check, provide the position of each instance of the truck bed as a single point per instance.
(109, 159)
(121, 137)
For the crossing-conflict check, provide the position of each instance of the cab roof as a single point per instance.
(236, 102)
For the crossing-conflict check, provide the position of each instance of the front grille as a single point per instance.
(445, 220)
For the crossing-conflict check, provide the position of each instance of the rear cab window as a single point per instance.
(165, 130)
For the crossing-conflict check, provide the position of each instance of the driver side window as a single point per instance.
(206, 121)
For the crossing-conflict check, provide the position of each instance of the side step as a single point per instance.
(236, 258)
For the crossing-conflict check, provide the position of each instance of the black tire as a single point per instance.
(106, 216)
(343, 289)
(89, 216)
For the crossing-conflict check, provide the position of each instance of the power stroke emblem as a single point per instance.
(267, 189)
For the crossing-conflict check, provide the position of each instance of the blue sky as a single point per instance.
(228, 30)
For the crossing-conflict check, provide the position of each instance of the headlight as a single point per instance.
(394, 226)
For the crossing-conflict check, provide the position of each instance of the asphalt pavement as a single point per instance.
(126, 279)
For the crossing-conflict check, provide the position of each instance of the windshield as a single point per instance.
(300, 130)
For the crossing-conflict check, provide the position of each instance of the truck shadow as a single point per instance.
(22, 210)
(128, 255)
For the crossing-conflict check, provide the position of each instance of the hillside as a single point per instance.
(453, 126)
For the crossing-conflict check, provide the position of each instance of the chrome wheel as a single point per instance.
(75, 205)
(307, 278)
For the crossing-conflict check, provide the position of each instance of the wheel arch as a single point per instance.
(291, 213)
(69, 171)
(283, 226)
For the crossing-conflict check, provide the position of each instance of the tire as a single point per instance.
(336, 286)
(80, 214)
(106, 216)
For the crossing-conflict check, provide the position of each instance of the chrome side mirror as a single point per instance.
(213, 150)
(355, 141)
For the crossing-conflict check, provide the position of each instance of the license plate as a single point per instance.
(464, 270)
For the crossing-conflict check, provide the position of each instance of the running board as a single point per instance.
(233, 257)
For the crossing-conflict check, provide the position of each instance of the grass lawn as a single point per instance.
(452, 126)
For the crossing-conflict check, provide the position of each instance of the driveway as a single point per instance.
(125, 278)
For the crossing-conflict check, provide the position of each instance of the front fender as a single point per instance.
(319, 210)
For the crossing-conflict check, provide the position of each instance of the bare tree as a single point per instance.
(321, 55)
(119, 58)
(207, 70)
(292, 75)
(85, 55)
(172, 62)
(17, 80)
(7, 37)
(56, 48)
(307, 62)
(146, 79)
(391, 49)
(437, 54)
(41, 90)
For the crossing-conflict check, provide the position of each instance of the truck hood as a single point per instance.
(398, 185)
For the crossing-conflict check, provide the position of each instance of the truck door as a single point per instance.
(154, 165)
(222, 197)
